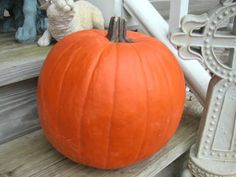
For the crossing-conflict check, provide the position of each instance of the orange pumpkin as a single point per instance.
(106, 101)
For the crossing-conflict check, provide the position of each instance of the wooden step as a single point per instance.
(18, 112)
(33, 156)
(19, 62)
(19, 67)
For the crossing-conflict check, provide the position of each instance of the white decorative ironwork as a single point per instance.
(178, 9)
(215, 151)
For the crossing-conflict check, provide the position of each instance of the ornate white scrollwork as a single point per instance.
(207, 39)
(202, 36)
(226, 2)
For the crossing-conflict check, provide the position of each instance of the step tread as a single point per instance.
(31, 155)
(19, 61)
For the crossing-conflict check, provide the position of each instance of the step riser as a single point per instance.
(18, 110)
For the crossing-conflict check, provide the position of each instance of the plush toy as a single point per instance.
(67, 16)
(15, 17)
(24, 17)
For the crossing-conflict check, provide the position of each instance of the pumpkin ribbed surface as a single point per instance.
(106, 104)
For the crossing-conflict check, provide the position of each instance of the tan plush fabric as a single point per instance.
(67, 16)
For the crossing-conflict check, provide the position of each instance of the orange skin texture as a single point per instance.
(109, 105)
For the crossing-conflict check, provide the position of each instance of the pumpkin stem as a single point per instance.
(117, 30)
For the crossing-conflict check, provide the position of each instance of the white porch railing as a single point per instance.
(178, 9)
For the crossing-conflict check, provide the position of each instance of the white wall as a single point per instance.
(106, 6)
(109, 9)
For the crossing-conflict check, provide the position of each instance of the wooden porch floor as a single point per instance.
(31, 155)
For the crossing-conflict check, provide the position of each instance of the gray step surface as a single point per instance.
(18, 112)
(19, 67)
(32, 156)
(19, 62)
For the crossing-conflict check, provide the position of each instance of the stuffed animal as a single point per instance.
(24, 17)
(67, 16)
(14, 17)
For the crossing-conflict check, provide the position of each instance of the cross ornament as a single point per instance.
(202, 35)
(207, 40)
